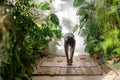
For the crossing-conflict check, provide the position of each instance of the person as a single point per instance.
(69, 46)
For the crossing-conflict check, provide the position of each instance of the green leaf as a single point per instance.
(117, 50)
(82, 23)
(54, 19)
(96, 49)
(77, 3)
(18, 58)
(117, 0)
(82, 11)
(75, 28)
(113, 9)
(44, 6)
(38, 24)
(106, 44)
(58, 34)
(18, 79)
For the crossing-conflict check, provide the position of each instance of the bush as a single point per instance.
(24, 38)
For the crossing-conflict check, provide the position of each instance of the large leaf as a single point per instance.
(78, 2)
(117, 50)
(54, 19)
(106, 44)
(44, 6)
(82, 11)
(75, 28)
(113, 9)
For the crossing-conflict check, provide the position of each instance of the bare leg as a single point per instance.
(73, 48)
(66, 51)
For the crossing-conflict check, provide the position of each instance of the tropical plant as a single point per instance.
(24, 36)
(100, 22)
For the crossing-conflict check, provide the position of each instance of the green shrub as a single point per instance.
(24, 38)
(100, 21)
